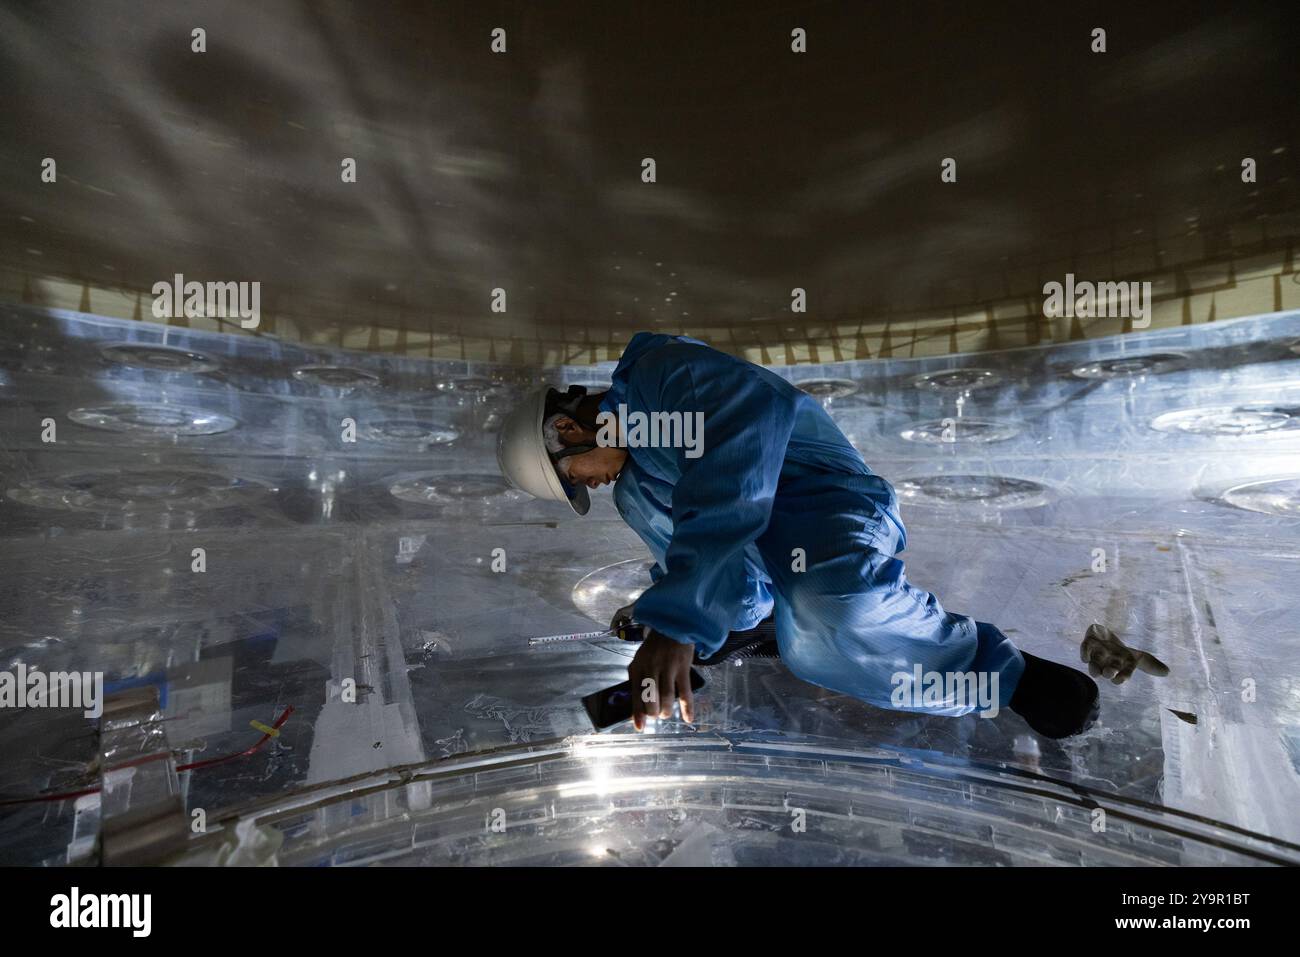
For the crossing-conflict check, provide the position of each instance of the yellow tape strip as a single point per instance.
(266, 728)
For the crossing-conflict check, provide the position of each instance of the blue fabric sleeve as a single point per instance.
(723, 500)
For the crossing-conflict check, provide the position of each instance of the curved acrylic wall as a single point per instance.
(1147, 482)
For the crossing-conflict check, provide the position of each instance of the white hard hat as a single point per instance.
(524, 461)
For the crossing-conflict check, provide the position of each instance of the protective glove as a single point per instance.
(1108, 657)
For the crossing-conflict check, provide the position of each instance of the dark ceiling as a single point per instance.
(523, 170)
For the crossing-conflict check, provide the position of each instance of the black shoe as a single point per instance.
(758, 642)
(1056, 701)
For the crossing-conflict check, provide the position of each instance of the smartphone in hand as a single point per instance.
(613, 705)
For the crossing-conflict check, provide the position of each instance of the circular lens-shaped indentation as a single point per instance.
(152, 418)
(1248, 419)
(451, 488)
(336, 377)
(601, 593)
(828, 389)
(957, 380)
(1270, 496)
(159, 358)
(1122, 366)
(956, 431)
(138, 490)
(409, 432)
(992, 491)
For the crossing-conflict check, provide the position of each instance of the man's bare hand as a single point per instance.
(661, 674)
(1108, 657)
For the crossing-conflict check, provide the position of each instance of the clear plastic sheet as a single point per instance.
(385, 588)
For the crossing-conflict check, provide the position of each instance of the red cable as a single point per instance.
(194, 765)
(230, 757)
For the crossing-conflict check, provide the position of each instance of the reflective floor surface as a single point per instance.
(307, 571)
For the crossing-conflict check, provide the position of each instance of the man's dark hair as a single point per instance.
(566, 402)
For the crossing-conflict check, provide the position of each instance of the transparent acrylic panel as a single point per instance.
(205, 520)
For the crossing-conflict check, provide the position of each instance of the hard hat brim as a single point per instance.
(524, 461)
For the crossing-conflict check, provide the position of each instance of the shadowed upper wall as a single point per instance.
(775, 170)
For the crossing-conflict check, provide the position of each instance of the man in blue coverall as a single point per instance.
(769, 508)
